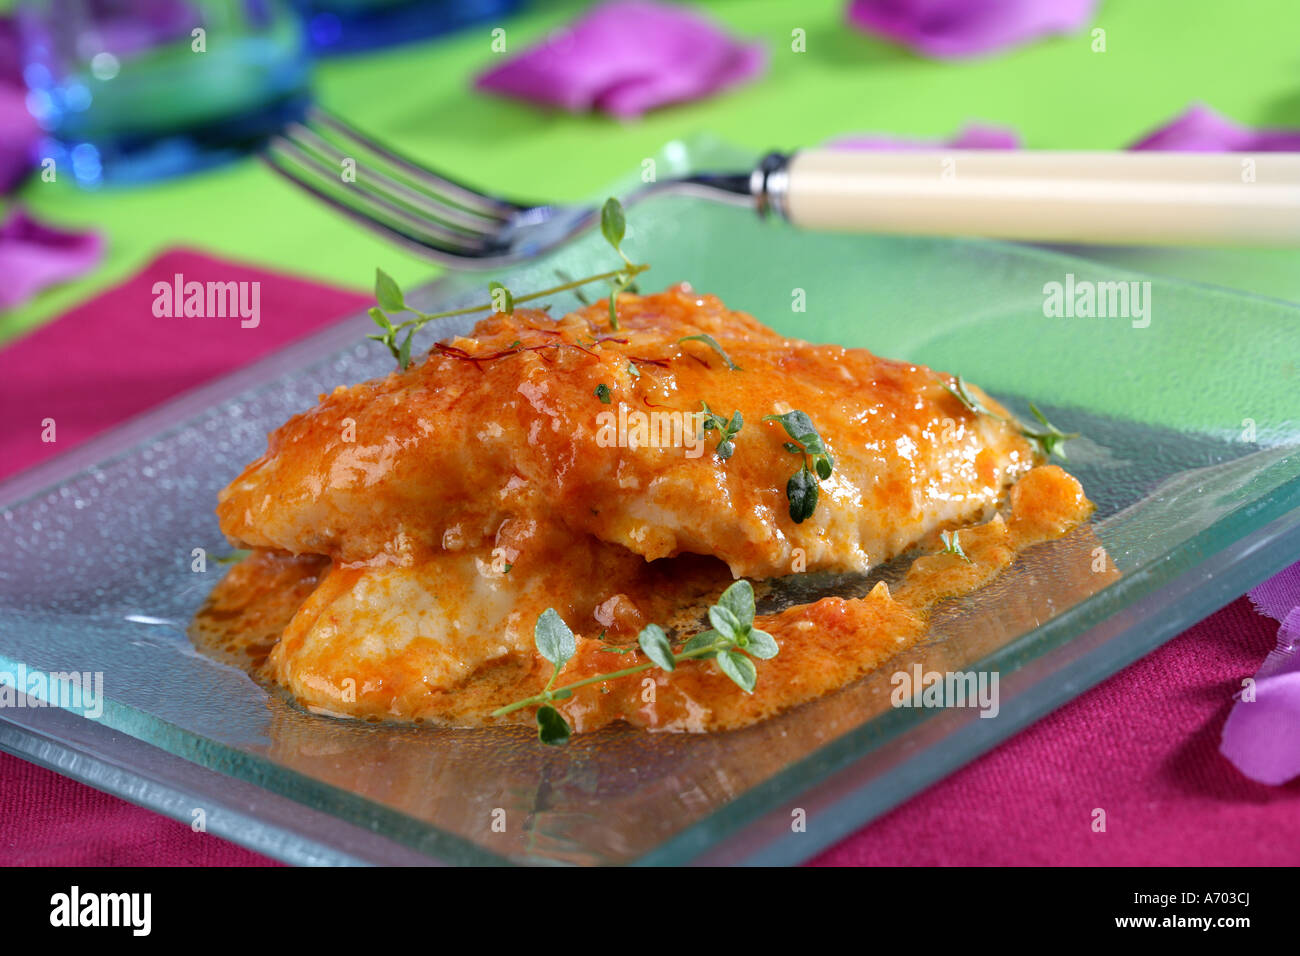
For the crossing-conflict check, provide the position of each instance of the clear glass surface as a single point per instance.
(1190, 451)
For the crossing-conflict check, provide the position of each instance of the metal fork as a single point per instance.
(435, 215)
(1175, 198)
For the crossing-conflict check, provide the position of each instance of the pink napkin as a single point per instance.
(110, 358)
(952, 29)
(626, 57)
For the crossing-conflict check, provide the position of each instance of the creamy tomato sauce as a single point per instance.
(408, 532)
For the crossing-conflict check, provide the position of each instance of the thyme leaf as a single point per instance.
(732, 649)
(727, 430)
(1048, 439)
(712, 343)
(802, 491)
(391, 300)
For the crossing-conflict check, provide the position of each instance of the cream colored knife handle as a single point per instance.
(1159, 198)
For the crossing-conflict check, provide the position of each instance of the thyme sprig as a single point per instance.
(727, 430)
(1047, 439)
(397, 336)
(613, 226)
(731, 643)
(712, 343)
(802, 488)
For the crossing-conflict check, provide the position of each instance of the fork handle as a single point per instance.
(1098, 197)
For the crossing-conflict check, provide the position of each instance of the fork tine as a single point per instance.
(468, 198)
(376, 181)
(290, 161)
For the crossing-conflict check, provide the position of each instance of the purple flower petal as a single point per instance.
(626, 57)
(973, 136)
(33, 256)
(1279, 595)
(946, 29)
(1201, 130)
(1262, 736)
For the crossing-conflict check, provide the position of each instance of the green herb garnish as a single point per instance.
(732, 642)
(613, 226)
(712, 343)
(802, 488)
(951, 545)
(577, 293)
(391, 300)
(602, 392)
(727, 430)
(1047, 439)
(552, 729)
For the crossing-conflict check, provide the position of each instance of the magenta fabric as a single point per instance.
(626, 57)
(1143, 746)
(954, 29)
(49, 820)
(110, 358)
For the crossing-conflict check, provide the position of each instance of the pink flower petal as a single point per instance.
(1262, 736)
(33, 256)
(626, 57)
(1279, 595)
(960, 28)
(973, 136)
(1202, 130)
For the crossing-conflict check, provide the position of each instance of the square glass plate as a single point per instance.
(1191, 452)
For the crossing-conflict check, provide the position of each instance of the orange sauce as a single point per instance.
(824, 645)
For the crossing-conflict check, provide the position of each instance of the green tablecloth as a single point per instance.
(1242, 58)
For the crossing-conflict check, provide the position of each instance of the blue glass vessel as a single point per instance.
(349, 26)
(130, 91)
